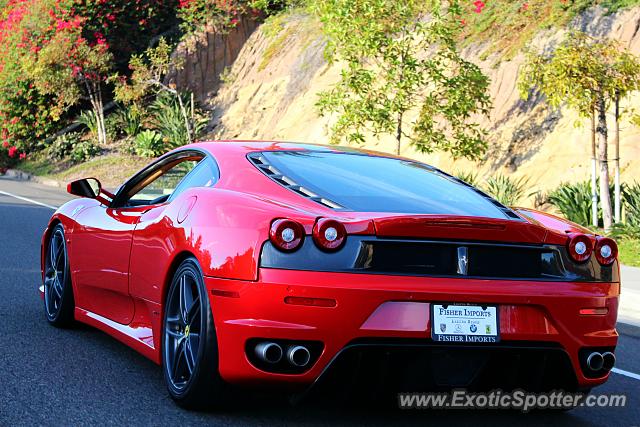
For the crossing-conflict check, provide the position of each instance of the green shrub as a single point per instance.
(128, 121)
(506, 190)
(168, 120)
(84, 150)
(90, 121)
(149, 143)
(631, 204)
(631, 199)
(574, 202)
(70, 145)
(62, 146)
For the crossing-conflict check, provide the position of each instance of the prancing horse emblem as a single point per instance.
(463, 261)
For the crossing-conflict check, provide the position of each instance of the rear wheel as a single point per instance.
(189, 345)
(58, 293)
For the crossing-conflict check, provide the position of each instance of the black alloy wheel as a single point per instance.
(58, 293)
(189, 345)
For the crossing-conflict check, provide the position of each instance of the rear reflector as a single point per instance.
(594, 311)
(316, 302)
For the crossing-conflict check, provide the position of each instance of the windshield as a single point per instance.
(379, 184)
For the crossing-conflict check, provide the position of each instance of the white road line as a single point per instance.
(25, 199)
(626, 373)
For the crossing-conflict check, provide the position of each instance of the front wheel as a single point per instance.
(189, 345)
(58, 293)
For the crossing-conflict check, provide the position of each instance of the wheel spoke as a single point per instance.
(188, 355)
(52, 252)
(57, 287)
(194, 344)
(48, 287)
(60, 258)
(193, 311)
(174, 334)
(182, 286)
(174, 321)
(178, 357)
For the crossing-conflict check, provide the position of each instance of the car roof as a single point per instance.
(244, 147)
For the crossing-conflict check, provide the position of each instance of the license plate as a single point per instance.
(464, 323)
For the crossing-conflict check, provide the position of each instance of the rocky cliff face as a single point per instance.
(270, 92)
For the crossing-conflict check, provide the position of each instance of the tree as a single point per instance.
(65, 65)
(401, 59)
(147, 78)
(585, 74)
(626, 72)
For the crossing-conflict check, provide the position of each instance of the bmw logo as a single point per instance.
(473, 328)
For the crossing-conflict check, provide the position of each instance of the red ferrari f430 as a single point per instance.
(289, 266)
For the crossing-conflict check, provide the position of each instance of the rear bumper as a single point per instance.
(533, 315)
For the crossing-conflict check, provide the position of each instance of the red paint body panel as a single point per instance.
(122, 261)
(530, 311)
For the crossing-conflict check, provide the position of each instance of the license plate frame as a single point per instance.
(453, 327)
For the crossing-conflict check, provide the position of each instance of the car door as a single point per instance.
(102, 240)
(157, 236)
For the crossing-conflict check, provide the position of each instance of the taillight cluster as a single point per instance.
(580, 247)
(288, 235)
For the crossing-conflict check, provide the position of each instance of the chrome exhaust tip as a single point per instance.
(298, 356)
(269, 352)
(595, 361)
(609, 360)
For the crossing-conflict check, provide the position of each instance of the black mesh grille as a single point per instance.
(441, 259)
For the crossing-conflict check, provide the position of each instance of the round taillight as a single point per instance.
(606, 250)
(286, 235)
(329, 234)
(580, 247)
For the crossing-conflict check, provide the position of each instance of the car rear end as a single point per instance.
(468, 294)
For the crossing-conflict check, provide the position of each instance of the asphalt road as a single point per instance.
(83, 377)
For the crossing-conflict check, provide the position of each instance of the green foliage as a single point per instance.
(631, 203)
(167, 118)
(55, 52)
(71, 146)
(149, 143)
(508, 191)
(469, 177)
(629, 250)
(89, 120)
(147, 74)
(581, 72)
(129, 120)
(615, 5)
(387, 75)
(62, 146)
(506, 26)
(84, 150)
(574, 201)
(224, 15)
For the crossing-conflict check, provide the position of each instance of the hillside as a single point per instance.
(270, 90)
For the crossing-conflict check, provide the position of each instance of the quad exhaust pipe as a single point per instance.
(269, 352)
(609, 360)
(298, 356)
(597, 361)
(272, 353)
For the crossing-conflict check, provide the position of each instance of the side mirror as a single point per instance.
(88, 187)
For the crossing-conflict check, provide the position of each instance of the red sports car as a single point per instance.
(288, 266)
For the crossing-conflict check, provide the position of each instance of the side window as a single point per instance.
(159, 184)
(204, 175)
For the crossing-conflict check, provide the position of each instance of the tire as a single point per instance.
(59, 303)
(189, 344)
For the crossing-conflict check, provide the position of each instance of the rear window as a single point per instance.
(378, 184)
